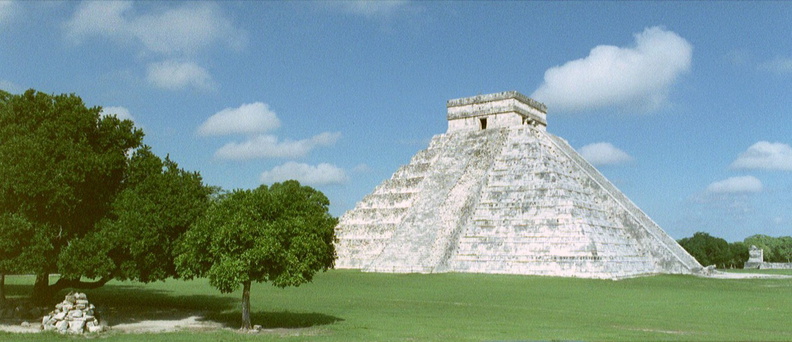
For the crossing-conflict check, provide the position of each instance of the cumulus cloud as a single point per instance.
(765, 155)
(174, 75)
(736, 185)
(268, 146)
(604, 153)
(322, 174)
(779, 65)
(634, 78)
(177, 33)
(182, 30)
(120, 112)
(370, 8)
(247, 118)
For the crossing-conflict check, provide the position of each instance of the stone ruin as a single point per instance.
(756, 261)
(497, 193)
(74, 315)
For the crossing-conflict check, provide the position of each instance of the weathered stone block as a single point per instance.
(76, 326)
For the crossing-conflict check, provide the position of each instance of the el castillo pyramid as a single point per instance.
(498, 194)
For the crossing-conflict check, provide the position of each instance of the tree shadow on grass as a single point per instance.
(16, 290)
(273, 320)
(134, 302)
(121, 304)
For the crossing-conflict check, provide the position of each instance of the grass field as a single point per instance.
(349, 305)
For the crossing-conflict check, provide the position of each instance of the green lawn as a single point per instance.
(349, 305)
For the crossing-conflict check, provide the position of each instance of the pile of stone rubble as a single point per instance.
(74, 315)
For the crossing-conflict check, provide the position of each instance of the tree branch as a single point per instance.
(63, 283)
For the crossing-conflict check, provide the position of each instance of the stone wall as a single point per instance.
(775, 266)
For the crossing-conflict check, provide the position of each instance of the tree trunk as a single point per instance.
(2, 290)
(41, 289)
(43, 292)
(246, 306)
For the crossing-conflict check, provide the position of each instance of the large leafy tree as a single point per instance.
(711, 250)
(281, 234)
(95, 197)
(156, 205)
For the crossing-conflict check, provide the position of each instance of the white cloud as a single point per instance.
(322, 174)
(370, 8)
(633, 78)
(178, 32)
(742, 184)
(120, 112)
(11, 87)
(173, 75)
(268, 146)
(182, 30)
(765, 155)
(247, 118)
(7, 10)
(604, 153)
(779, 65)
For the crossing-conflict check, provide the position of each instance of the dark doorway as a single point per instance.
(483, 123)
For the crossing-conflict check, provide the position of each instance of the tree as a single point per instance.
(156, 205)
(15, 233)
(739, 255)
(97, 199)
(710, 250)
(281, 234)
(60, 166)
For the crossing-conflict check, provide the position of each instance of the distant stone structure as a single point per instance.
(498, 194)
(756, 261)
(755, 257)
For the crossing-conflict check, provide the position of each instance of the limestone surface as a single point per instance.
(497, 193)
(74, 315)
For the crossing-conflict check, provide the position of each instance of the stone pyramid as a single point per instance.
(498, 194)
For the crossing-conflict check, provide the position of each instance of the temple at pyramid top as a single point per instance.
(505, 109)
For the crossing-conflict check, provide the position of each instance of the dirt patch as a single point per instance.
(729, 275)
(157, 326)
(193, 323)
(18, 328)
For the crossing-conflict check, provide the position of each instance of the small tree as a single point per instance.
(708, 250)
(281, 234)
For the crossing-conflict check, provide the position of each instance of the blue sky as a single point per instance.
(683, 106)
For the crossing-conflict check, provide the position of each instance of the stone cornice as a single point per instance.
(497, 97)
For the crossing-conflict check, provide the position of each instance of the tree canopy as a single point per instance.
(281, 234)
(101, 204)
(776, 249)
(710, 250)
